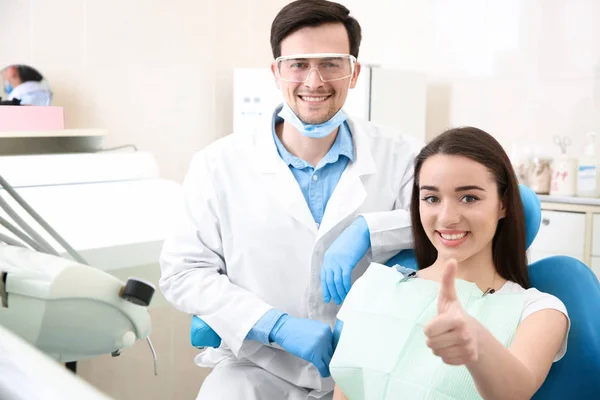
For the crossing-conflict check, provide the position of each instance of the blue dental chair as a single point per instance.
(577, 374)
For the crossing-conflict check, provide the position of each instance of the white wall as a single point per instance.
(159, 74)
(154, 73)
(524, 70)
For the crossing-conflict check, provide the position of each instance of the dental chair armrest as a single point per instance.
(202, 335)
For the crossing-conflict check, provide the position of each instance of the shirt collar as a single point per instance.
(343, 146)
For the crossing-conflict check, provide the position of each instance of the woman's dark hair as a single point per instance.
(27, 73)
(508, 244)
(303, 13)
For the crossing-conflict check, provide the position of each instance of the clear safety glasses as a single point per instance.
(330, 66)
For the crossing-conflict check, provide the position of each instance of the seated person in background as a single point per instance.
(467, 325)
(27, 85)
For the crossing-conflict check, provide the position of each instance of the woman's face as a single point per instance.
(459, 206)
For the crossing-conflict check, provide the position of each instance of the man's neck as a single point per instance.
(303, 147)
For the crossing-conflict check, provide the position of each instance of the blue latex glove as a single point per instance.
(305, 338)
(341, 258)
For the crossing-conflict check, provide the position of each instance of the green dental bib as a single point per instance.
(382, 353)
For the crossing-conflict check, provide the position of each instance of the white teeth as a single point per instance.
(454, 237)
(314, 98)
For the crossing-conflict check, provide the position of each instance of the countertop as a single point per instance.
(569, 200)
(54, 133)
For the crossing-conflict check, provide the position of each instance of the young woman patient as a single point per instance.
(467, 325)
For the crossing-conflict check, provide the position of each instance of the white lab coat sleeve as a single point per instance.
(193, 268)
(391, 231)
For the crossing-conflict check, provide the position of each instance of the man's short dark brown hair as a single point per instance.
(304, 13)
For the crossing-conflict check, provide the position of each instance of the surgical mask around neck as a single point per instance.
(7, 87)
(315, 131)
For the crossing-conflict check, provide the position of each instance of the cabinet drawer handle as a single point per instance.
(545, 221)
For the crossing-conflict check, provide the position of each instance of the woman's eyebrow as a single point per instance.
(470, 187)
(458, 189)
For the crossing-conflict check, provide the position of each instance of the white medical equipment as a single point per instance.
(112, 212)
(68, 310)
(386, 96)
(111, 207)
(28, 374)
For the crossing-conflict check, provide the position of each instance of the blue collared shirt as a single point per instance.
(317, 185)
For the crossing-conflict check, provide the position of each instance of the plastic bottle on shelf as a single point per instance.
(588, 174)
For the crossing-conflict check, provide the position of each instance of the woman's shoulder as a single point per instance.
(535, 300)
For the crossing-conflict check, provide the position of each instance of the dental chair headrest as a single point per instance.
(532, 208)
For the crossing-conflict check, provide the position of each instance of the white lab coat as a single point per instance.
(247, 241)
(32, 93)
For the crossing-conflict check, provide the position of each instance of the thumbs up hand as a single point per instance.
(452, 334)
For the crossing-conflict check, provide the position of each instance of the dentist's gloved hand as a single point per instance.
(341, 258)
(305, 338)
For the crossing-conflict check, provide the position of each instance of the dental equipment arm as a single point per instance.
(22, 236)
(68, 310)
(11, 241)
(6, 186)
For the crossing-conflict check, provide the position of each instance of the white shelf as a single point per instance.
(569, 200)
(77, 168)
(55, 133)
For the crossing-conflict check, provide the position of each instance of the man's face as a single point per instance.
(315, 101)
(10, 75)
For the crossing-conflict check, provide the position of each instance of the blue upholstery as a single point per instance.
(577, 375)
(532, 208)
(202, 335)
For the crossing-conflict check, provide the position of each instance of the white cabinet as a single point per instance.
(561, 233)
(596, 235)
(571, 227)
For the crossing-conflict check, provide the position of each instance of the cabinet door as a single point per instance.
(596, 236)
(561, 233)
